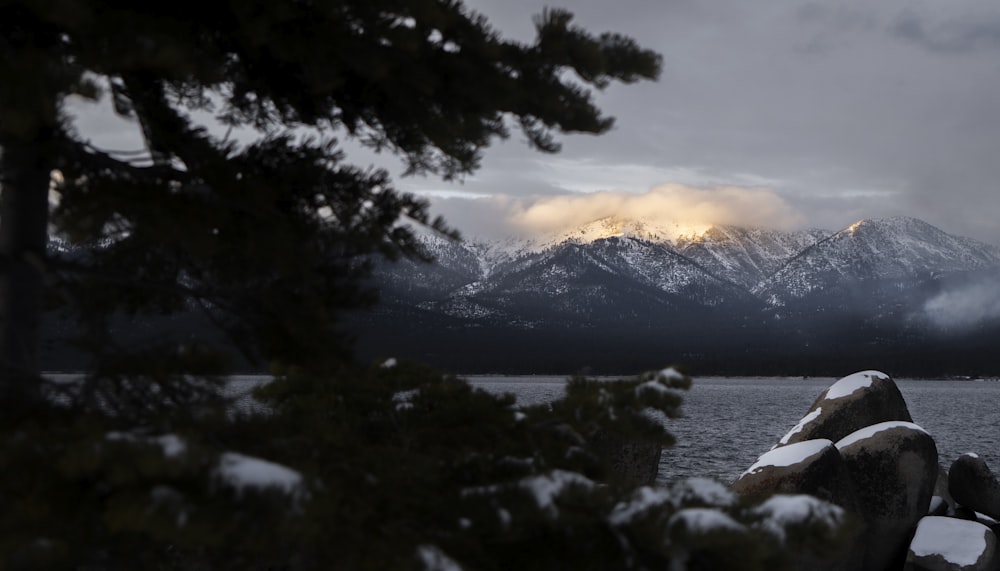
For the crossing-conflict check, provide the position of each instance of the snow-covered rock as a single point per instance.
(854, 402)
(949, 544)
(809, 467)
(894, 468)
(973, 485)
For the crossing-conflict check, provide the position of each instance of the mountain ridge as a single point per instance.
(743, 300)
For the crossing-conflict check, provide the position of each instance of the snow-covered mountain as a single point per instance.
(900, 249)
(615, 269)
(746, 256)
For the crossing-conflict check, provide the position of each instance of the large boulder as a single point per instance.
(949, 544)
(894, 467)
(812, 467)
(973, 485)
(850, 404)
(634, 462)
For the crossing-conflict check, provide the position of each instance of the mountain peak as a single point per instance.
(645, 228)
(905, 224)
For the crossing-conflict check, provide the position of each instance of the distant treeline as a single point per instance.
(827, 349)
(722, 346)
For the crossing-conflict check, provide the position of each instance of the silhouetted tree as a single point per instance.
(140, 465)
(269, 239)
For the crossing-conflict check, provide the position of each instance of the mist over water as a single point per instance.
(965, 306)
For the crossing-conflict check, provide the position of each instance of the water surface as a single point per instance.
(729, 422)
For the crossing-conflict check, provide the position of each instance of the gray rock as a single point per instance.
(941, 491)
(949, 544)
(973, 485)
(938, 507)
(850, 404)
(894, 467)
(812, 467)
(636, 463)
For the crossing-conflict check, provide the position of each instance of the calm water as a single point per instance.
(729, 422)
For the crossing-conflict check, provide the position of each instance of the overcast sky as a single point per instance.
(838, 111)
(770, 112)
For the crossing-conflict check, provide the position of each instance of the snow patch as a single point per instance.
(703, 490)
(959, 542)
(853, 383)
(403, 399)
(704, 520)
(389, 363)
(935, 504)
(643, 499)
(869, 431)
(171, 444)
(241, 471)
(784, 510)
(436, 560)
(655, 386)
(789, 455)
(671, 374)
(546, 487)
(504, 517)
(800, 426)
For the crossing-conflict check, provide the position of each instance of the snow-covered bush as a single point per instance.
(338, 475)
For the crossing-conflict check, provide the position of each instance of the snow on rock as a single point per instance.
(389, 363)
(798, 427)
(938, 506)
(241, 471)
(782, 511)
(789, 455)
(671, 374)
(973, 484)
(704, 520)
(436, 560)
(959, 542)
(853, 383)
(869, 431)
(655, 386)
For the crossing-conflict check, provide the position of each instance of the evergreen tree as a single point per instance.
(269, 239)
(143, 464)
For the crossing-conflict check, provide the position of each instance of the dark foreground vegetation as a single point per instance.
(143, 464)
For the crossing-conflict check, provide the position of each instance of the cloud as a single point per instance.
(665, 203)
(965, 306)
(953, 35)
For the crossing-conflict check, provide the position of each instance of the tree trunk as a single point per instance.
(24, 211)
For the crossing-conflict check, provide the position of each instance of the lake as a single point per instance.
(729, 422)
